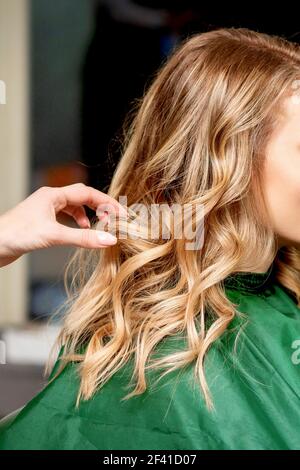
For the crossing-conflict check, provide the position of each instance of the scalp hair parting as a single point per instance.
(197, 136)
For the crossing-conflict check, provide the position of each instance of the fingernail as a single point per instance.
(105, 237)
(102, 215)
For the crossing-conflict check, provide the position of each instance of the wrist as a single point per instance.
(7, 254)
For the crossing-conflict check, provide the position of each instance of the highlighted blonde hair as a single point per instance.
(197, 136)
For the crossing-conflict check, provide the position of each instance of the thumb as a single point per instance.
(85, 238)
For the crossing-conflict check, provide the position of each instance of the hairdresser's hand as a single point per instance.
(32, 224)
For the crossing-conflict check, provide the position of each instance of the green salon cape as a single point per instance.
(255, 390)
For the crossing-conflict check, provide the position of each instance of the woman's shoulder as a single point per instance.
(166, 415)
(246, 376)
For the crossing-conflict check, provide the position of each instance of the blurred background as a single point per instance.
(70, 71)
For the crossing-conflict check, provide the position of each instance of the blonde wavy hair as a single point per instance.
(197, 136)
